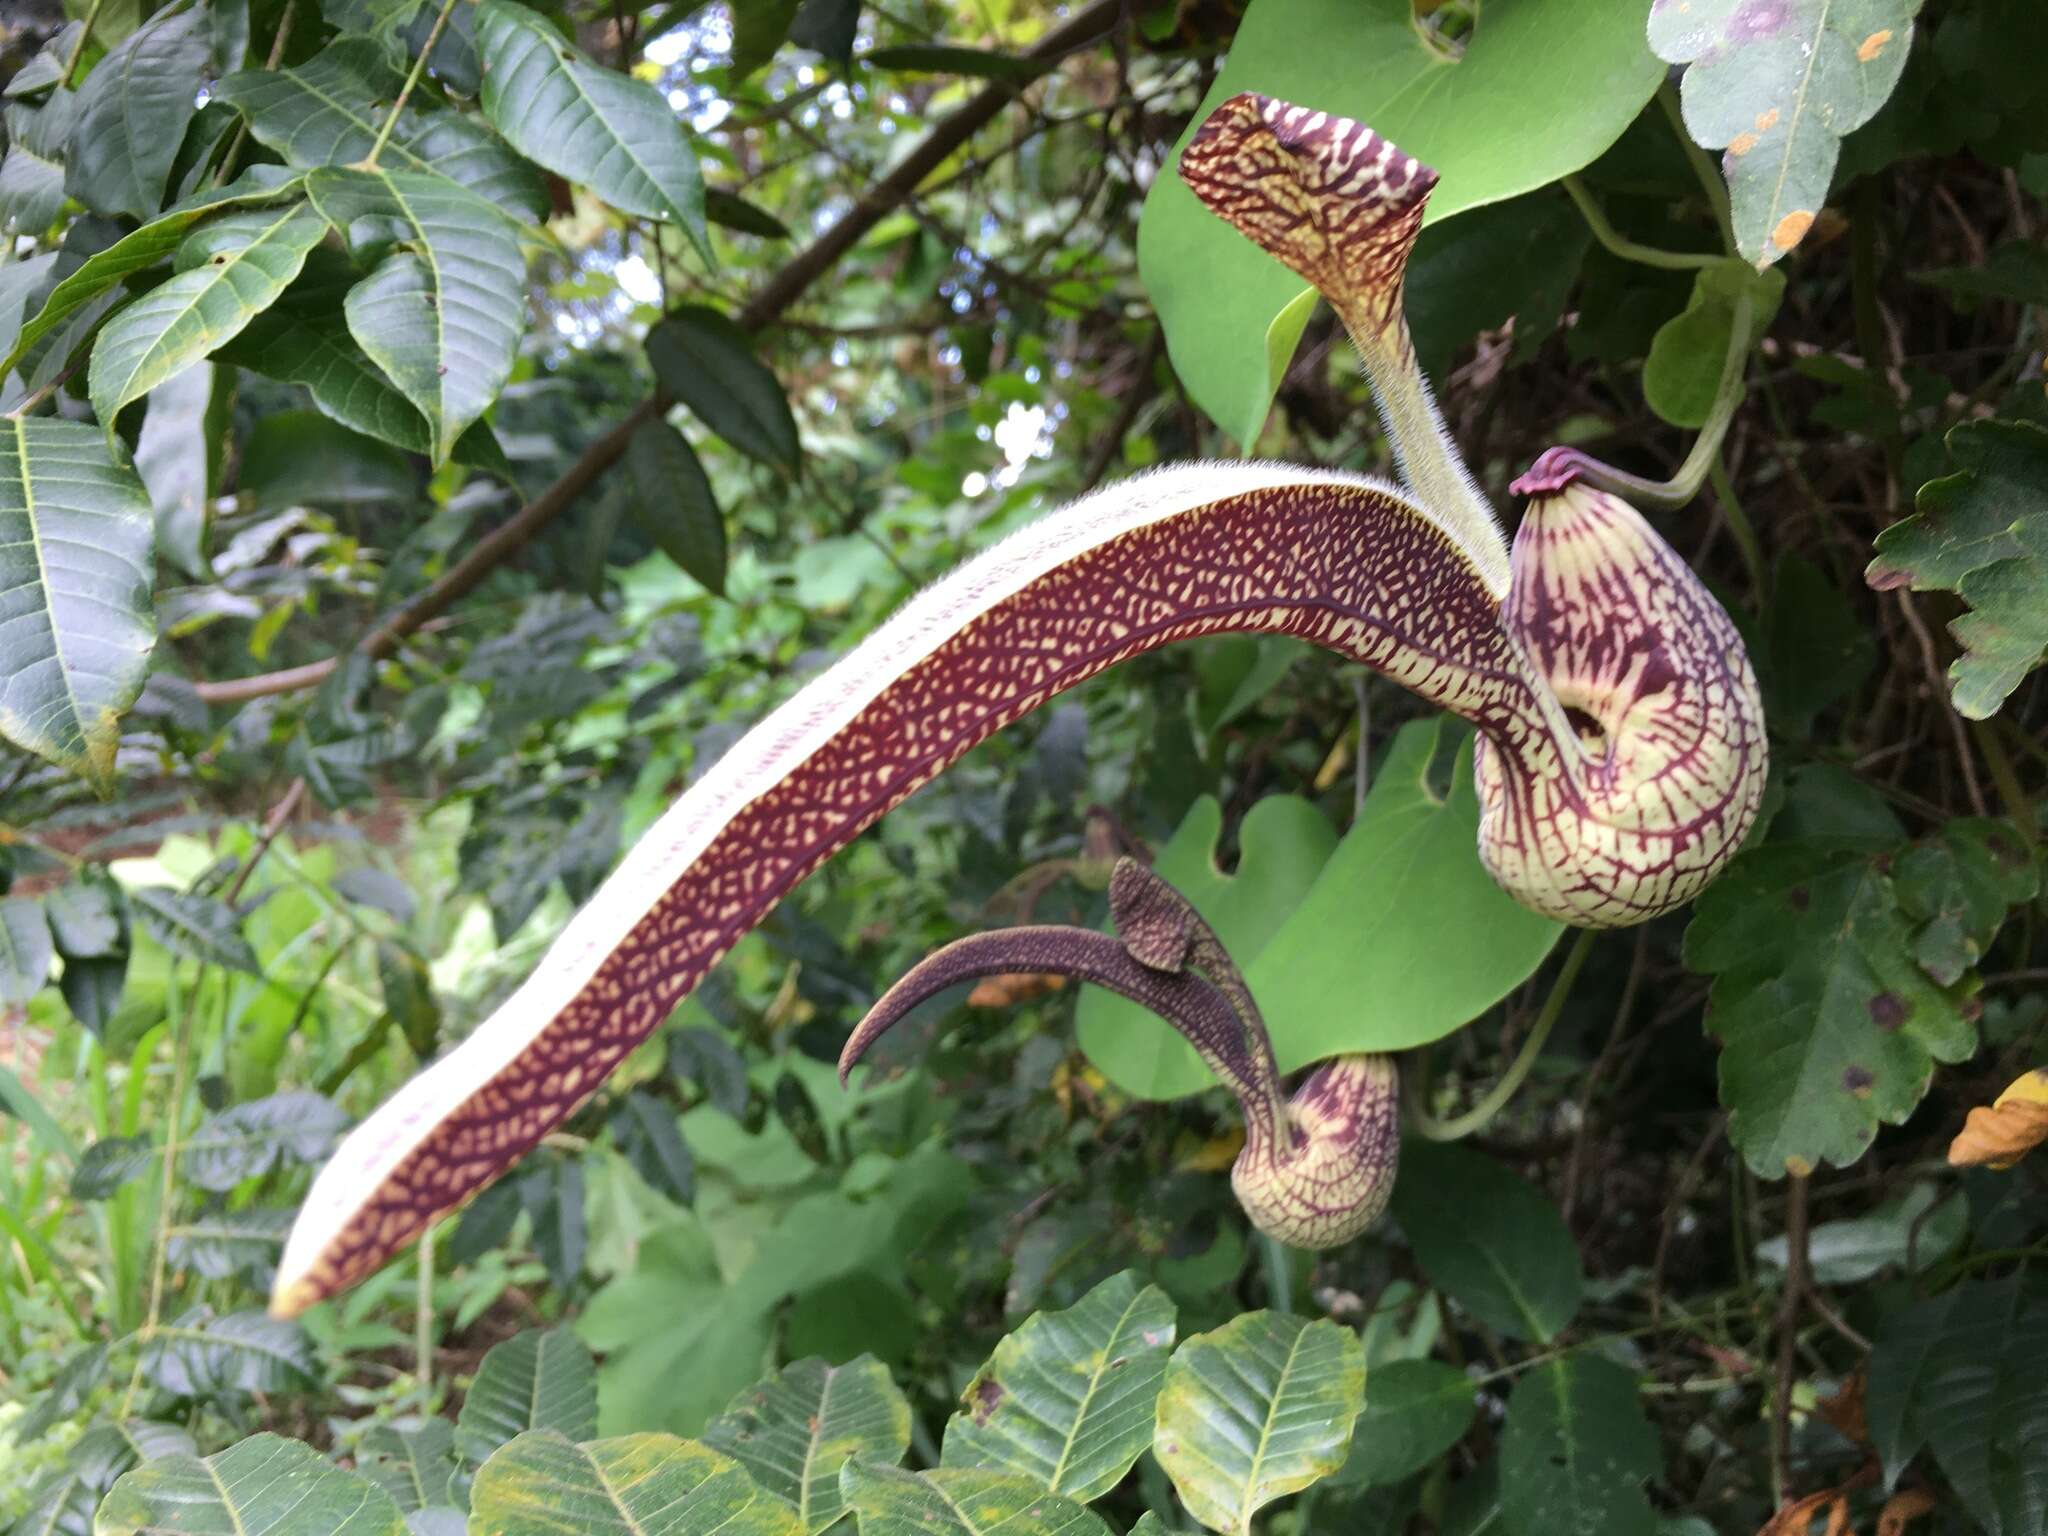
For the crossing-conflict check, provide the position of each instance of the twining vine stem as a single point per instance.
(1621, 245)
(1479, 1115)
(419, 66)
(788, 285)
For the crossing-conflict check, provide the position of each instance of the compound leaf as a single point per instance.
(795, 1431)
(265, 1486)
(636, 1485)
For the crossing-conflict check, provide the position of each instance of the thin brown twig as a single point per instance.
(273, 824)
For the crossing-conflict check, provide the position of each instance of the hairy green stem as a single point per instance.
(1621, 245)
(1479, 1115)
(419, 67)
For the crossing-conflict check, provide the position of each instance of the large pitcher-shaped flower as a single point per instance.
(1622, 753)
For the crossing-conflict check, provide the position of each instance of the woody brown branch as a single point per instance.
(1087, 26)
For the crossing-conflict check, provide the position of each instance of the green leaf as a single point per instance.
(673, 504)
(707, 362)
(132, 112)
(227, 1244)
(539, 1379)
(1777, 87)
(541, 1484)
(617, 135)
(31, 175)
(441, 314)
(1283, 842)
(265, 1486)
(1582, 70)
(83, 1370)
(328, 111)
(1406, 880)
(1068, 1399)
(645, 1128)
(252, 1139)
(109, 1163)
(1575, 1452)
(1682, 374)
(1963, 1373)
(1981, 533)
(956, 1501)
(86, 917)
(178, 462)
(934, 59)
(2017, 270)
(228, 271)
(25, 950)
(1815, 648)
(1415, 1410)
(795, 1431)
(305, 458)
(200, 1355)
(75, 581)
(1828, 1023)
(195, 927)
(1910, 1230)
(415, 1465)
(758, 30)
(736, 213)
(1488, 1240)
(139, 250)
(1262, 1407)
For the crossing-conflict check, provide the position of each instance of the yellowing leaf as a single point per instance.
(2012, 1126)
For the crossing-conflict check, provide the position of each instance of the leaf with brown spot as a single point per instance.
(1777, 83)
(2012, 1126)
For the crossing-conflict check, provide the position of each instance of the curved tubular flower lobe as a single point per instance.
(1316, 1170)
(1622, 749)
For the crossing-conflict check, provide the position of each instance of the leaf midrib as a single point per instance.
(35, 538)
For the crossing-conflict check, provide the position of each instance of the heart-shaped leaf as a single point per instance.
(1262, 1407)
(328, 110)
(795, 1431)
(228, 271)
(443, 312)
(542, 1484)
(612, 133)
(265, 1486)
(1777, 86)
(1470, 114)
(1067, 1400)
(76, 568)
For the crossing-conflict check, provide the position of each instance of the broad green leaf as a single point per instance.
(646, 1131)
(539, 1379)
(63, 1505)
(956, 1501)
(1575, 1452)
(1682, 374)
(228, 271)
(936, 59)
(2017, 270)
(328, 110)
(25, 949)
(1488, 1240)
(264, 1486)
(758, 30)
(1814, 648)
(132, 112)
(1405, 881)
(86, 917)
(414, 1465)
(1917, 1229)
(229, 1243)
(178, 462)
(1981, 533)
(200, 1355)
(542, 1484)
(249, 1140)
(31, 174)
(1067, 1400)
(1579, 67)
(194, 927)
(735, 212)
(1963, 1374)
(443, 312)
(109, 1163)
(615, 134)
(1415, 1410)
(1262, 1407)
(828, 27)
(795, 1431)
(1829, 998)
(673, 502)
(707, 362)
(75, 579)
(1519, 260)
(83, 1370)
(22, 281)
(1282, 843)
(304, 458)
(141, 249)
(1777, 86)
